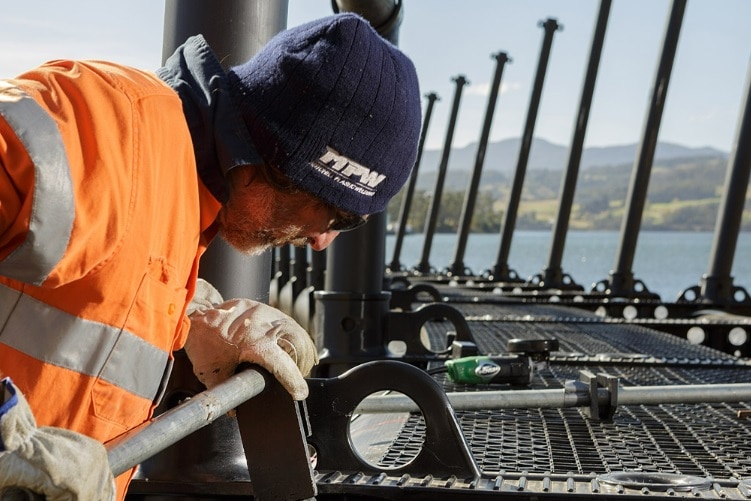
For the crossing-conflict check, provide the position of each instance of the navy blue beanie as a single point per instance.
(336, 108)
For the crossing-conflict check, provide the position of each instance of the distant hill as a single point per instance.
(502, 156)
(684, 194)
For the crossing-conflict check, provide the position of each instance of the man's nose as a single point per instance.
(323, 240)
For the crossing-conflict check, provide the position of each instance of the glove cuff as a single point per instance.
(16, 421)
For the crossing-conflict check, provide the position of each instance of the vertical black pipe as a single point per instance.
(351, 310)
(282, 274)
(501, 270)
(717, 284)
(552, 276)
(235, 30)
(364, 249)
(457, 265)
(435, 202)
(317, 270)
(300, 270)
(385, 15)
(621, 279)
(409, 193)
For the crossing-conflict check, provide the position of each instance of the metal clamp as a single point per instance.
(600, 409)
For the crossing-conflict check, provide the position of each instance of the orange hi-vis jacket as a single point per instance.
(105, 210)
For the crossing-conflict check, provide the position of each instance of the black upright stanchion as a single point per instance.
(621, 282)
(297, 281)
(457, 266)
(282, 274)
(235, 30)
(214, 455)
(717, 284)
(501, 271)
(409, 192)
(553, 276)
(317, 270)
(351, 310)
(430, 222)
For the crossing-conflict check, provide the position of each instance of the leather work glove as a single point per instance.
(59, 464)
(225, 333)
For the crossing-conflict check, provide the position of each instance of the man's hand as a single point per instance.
(224, 334)
(59, 464)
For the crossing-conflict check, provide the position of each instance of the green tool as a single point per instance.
(516, 368)
(490, 370)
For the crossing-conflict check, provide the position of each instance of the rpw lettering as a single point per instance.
(349, 170)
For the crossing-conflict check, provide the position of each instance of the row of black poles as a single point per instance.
(409, 192)
(716, 284)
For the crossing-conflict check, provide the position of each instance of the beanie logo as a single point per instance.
(344, 171)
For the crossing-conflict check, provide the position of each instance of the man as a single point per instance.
(112, 183)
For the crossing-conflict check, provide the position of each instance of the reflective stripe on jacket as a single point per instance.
(101, 222)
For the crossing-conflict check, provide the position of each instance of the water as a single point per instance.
(667, 262)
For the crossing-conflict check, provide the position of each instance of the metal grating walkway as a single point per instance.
(562, 452)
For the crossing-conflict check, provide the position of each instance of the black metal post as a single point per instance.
(553, 276)
(350, 312)
(621, 280)
(501, 270)
(430, 223)
(409, 192)
(717, 284)
(317, 270)
(457, 265)
(298, 277)
(300, 270)
(235, 31)
(282, 273)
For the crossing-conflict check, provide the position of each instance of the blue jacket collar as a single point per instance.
(220, 138)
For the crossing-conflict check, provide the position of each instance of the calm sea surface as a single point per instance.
(667, 262)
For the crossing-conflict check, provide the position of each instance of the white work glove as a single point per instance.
(59, 464)
(225, 333)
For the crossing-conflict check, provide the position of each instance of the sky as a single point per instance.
(446, 39)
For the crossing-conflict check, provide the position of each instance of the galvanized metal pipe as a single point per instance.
(430, 222)
(409, 192)
(154, 436)
(621, 280)
(457, 266)
(552, 276)
(574, 395)
(501, 269)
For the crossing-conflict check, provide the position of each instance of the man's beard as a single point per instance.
(256, 242)
(255, 228)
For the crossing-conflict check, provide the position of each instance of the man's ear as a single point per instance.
(243, 175)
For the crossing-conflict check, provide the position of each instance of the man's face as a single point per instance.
(259, 216)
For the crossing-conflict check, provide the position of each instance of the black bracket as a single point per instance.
(404, 298)
(273, 436)
(405, 326)
(332, 402)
